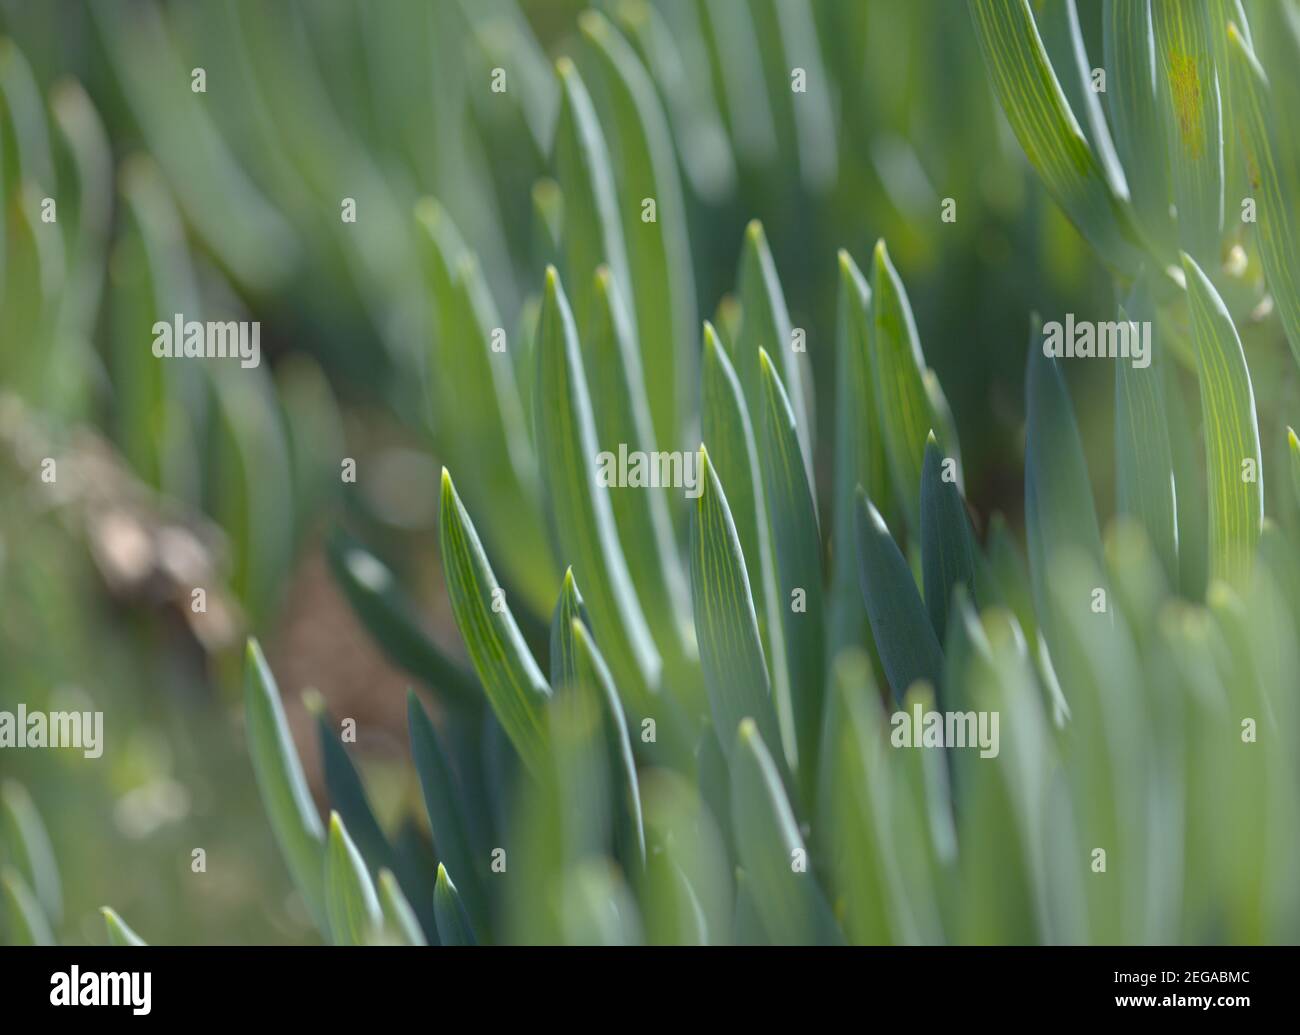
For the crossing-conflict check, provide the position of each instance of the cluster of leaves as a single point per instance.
(708, 758)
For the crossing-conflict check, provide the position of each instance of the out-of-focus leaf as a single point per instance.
(1059, 510)
(1293, 447)
(391, 619)
(479, 417)
(28, 848)
(24, 922)
(283, 786)
(659, 256)
(249, 234)
(582, 517)
(1276, 184)
(905, 639)
(792, 907)
(1010, 575)
(1144, 464)
(454, 927)
(1188, 92)
(1047, 129)
(640, 511)
(735, 59)
(118, 931)
(1131, 101)
(399, 918)
(593, 229)
(702, 144)
(514, 684)
(350, 898)
(1234, 462)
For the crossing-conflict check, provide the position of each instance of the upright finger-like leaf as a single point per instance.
(765, 324)
(350, 896)
(641, 517)
(904, 635)
(658, 249)
(454, 927)
(372, 590)
(514, 684)
(1144, 465)
(399, 918)
(1276, 184)
(1047, 129)
(735, 672)
(859, 451)
(444, 804)
(477, 411)
(733, 454)
(28, 846)
(1189, 93)
(1059, 509)
(797, 544)
(591, 670)
(119, 933)
(282, 784)
(1234, 463)
(1131, 101)
(906, 417)
(593, 230)
(947, 544)
(792, 907)
(581, 515)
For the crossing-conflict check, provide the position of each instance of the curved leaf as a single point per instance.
(513, 682)
(1047, 129)
(1276, 184)
(797, 545)
(1144, 464)
(28, 847)
(659, 253)
(350, 898)
(25, 923)
(1234, 462)
(581, 515)
(906, 416)
(283, 786)
(735, 672)
(1188, 90)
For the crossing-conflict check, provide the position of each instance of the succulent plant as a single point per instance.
(740, 661)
